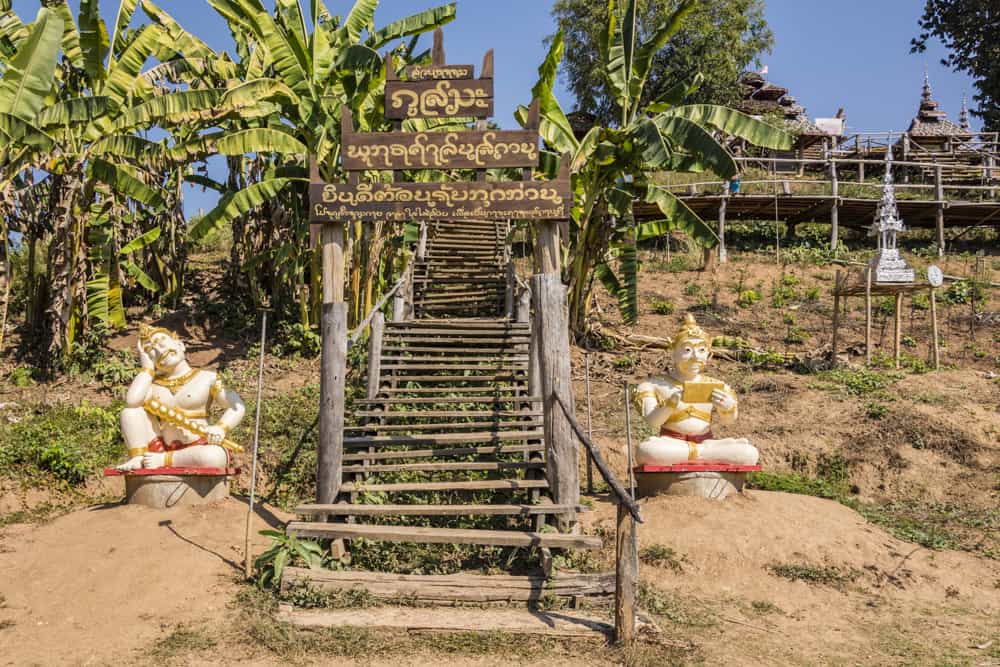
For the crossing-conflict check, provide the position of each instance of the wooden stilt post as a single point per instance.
(898, 330)
(723, 256)
(868, 314)
(333, 366)
(835, 207)
(836, 319)
(935, 351)
(939, 210)
(552, 324)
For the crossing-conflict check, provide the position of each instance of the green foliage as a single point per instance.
(286, 550)
(692, 289)
(876, 410)
(824, 575)
(21, 376)
(296, 339)
(64, 443)
(796, 335)
(968, 30)
(748, 298)
(812, 294)
(858, 382)
(663, 307)
(659, 555)
(722, 39)
(921, 302)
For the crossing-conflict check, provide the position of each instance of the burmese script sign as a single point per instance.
(438, 99)
(440, 150)
(405, 202)
(423, 72)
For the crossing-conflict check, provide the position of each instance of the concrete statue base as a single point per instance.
(701, 481)
(163, 488)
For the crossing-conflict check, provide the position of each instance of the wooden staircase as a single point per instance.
(463, 272)
(449, 446)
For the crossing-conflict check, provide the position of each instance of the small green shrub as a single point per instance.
(662, 556)
(692, 289)
(886, 306)
(921, 301)
(22, 376)
(824, 575)
(908, 341)
(876, 410)
(293, 339)
(796, 335)
(789, 280)
(286, 550)
(625, 362)
(812, 294)
(748, 298)
(663, 307)
(859, 382)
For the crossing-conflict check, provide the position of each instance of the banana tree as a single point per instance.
(320, 63)
(79, 123)
(612, 166)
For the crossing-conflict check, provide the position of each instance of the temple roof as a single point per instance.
(930, 121)
(761, 96)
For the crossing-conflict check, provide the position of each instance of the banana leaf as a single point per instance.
(29, 76)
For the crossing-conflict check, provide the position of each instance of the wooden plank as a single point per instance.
(346, 509)
(935, 351)
(462, 466)
(485, 366)
(448, 399)
(444, 426)
(425, 535)
(407, 202)
(448, 379)
(463, 485)
(443, 452)
(425, 414)
(482, 588)
(498, 436)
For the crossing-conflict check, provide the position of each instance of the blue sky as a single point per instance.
(852, 53)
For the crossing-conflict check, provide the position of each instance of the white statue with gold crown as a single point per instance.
(165, 419)
(681, 407)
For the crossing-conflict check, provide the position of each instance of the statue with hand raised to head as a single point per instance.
(165, 419)
(681, 406)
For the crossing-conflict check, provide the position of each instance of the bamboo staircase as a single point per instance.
(449, 447)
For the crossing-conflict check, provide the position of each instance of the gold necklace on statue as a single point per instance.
(174, 383)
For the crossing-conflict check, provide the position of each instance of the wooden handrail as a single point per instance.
(378, 306)
(623, 496)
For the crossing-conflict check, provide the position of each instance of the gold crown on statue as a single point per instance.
(147, 332)
(689, 331)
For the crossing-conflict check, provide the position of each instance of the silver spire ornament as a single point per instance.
(887, 265)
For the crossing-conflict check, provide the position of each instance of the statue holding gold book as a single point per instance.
(165, 422)
(682, 405)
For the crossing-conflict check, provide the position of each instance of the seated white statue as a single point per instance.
(165, 420)
(681, 406)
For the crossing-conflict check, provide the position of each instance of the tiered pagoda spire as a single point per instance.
(889, 267)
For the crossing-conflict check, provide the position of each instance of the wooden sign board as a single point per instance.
(437, 91)
(406, 202)
(439, 72)
(439, 99)
(466, 149)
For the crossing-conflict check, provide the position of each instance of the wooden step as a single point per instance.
(485, 360)
(518, 377)
(425, 535)
(461, 466)
(456, 414)
(507, 389)
(475, 322)
(445, 426)
(513, 339)
(476, 400)
(486, 366)
(444, 452)
(453, 485)
(442, 438)
(507, 349)
(354, 509)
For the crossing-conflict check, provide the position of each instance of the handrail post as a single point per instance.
(422, 242)
(375, 354)
(333, 362)
(723, 255)
(939, 211)
(835, 207)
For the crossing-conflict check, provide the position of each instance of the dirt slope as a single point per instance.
(96, 585)
(876, 600)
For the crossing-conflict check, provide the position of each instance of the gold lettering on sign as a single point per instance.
(425, 150)
(445, 195)
(421, 73)
(441, 100)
